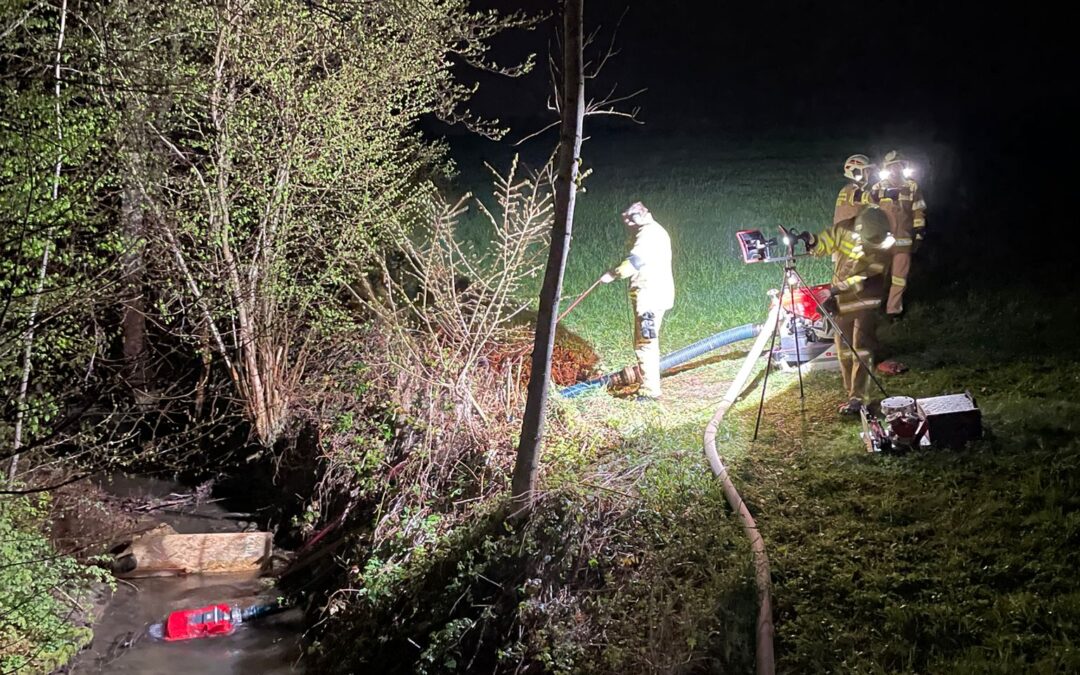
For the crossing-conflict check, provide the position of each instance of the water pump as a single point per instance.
(904, 423)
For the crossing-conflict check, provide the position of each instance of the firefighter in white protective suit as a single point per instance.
(652, 291)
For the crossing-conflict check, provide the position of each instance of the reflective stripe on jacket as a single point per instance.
(858, 273)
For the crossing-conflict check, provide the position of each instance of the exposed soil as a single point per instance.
(572, 359)
(87, 520)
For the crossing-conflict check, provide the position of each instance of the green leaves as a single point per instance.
(40, 590)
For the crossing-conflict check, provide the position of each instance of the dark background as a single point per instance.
(995, 88)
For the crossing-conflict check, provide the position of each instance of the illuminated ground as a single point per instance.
(958, 562)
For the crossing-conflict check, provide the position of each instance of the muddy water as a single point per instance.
(266, 646)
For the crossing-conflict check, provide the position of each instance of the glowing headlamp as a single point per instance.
(909, 171)
(884, 174)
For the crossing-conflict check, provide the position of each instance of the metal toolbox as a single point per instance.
(951, 421)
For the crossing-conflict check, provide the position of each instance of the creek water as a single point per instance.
(266, 646)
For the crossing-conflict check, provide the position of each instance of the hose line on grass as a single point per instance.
(675, 358)
(764, 658)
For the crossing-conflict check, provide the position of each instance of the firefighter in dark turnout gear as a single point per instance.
(860, 252)
(900, 198)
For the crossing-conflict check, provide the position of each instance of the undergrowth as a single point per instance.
(628, 563)
(44, 606)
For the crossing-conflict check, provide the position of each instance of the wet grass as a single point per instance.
(702, 196)
(937, 561)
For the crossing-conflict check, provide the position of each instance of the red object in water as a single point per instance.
(804, 305)
(190, 624)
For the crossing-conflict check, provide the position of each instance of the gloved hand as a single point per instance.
(831, 305)
(809, 239)
(607, 278)
(823, 294)
(826, 297)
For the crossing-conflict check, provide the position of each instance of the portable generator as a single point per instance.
(904, 423)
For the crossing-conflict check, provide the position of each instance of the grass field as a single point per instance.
(702, 196)
(938, 562)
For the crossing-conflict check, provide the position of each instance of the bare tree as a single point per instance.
(572, 113)
(299, 165)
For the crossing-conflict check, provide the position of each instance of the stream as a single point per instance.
(266, 646)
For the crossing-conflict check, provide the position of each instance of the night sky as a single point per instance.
(995, 87)
(789, 62)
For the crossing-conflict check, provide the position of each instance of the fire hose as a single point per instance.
(672, 360)
(762, 577)
(764, 630)
(764, 659)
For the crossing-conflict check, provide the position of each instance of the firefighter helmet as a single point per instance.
(872, 226)
(896, 166)
(893, 157)
(857, 168)
(636, 214)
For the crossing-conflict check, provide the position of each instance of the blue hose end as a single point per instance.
(575, 390)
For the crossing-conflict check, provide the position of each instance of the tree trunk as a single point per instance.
(132, 215)
(206, 356)
(573, 111)
(13, 467)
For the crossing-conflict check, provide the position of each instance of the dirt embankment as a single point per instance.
(572, 359)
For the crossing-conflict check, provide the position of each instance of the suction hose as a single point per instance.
(674, 359)
(259, 611)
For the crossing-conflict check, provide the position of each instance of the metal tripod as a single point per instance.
(792, 279)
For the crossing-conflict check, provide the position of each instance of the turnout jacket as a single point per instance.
(849, 202)
(648, 267)
(905, 208)
(858, 273)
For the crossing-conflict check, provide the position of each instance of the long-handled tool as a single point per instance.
(579, 299)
